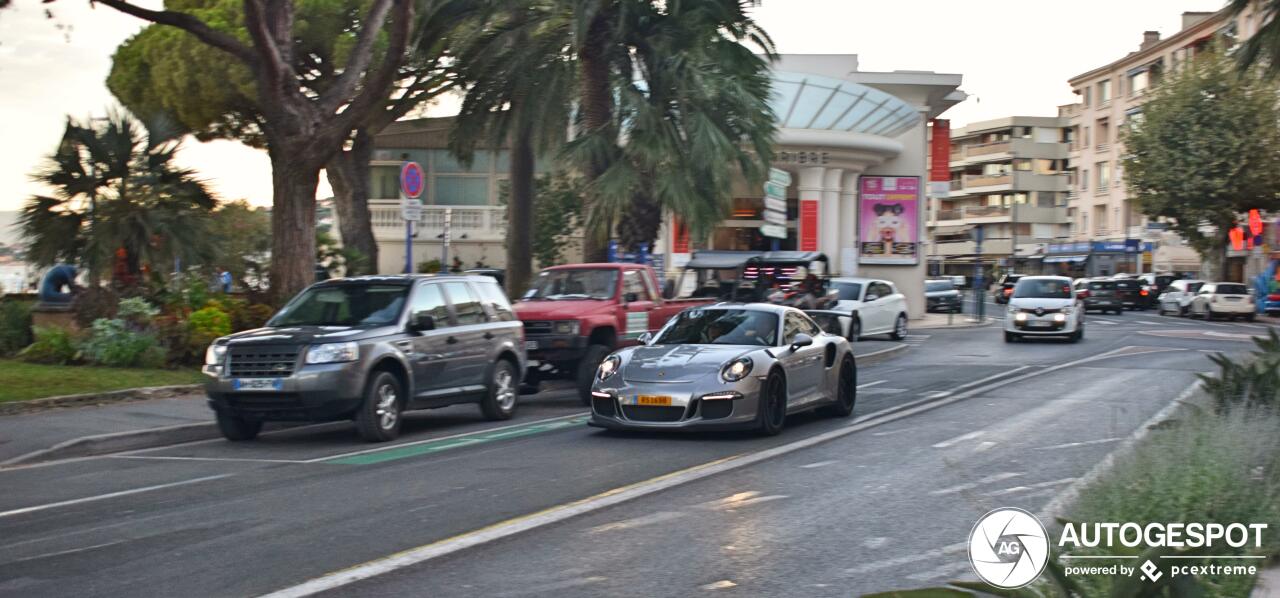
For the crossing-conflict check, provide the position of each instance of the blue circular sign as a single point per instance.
(412, 180)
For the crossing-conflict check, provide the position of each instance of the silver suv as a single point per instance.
(369, 348)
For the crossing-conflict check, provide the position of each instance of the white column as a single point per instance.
(829, 216)
(810, 190)
(849, 223)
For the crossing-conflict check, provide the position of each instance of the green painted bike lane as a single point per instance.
(427, 447)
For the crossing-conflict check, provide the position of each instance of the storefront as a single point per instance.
(1085, 259)
(854, 144)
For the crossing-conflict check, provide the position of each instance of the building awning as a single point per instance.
(1059, 259)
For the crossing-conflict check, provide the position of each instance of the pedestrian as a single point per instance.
(224, 280)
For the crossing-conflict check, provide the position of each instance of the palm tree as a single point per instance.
(519, 82)
(117, 192)
(1264, 47)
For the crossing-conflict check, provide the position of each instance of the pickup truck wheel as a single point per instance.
(237, 429)
(499, 401)
(587, 370)
(379, 416)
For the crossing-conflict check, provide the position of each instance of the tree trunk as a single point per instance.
(293, 222)
(348, 173)
(597, 113)
(520, 213)
(641, 222)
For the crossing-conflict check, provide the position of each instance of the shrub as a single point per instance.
(136, 312)
(1251, 382)
(208, 324)
(53, 345)
(432, 266)
(175, 338)
(254, 315)
(94, 303)
(112, 344)
(15, 326)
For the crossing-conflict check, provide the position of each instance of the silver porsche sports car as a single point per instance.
(726, 366)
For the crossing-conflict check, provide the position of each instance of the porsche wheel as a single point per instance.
(846, 390)
(772, 414)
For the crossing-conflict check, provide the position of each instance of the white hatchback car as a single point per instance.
(1044, 306)
(877, 306)
(1176, 299)
(1228, 300)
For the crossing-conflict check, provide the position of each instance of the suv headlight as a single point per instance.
(737, 369)
(566, 327)
(214, 354)
(333, 353)
(608, 367)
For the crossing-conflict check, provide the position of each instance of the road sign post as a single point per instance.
(979, 306)
(775, 206)
(448, 236)
(412, 182)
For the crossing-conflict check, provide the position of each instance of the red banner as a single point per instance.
(808, 225)
(940, 151)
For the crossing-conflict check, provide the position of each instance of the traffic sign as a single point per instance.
(772, 189)
(775, 204)
(412, 180)
(411, 209)
(780, 176)
(775, 217)
(773, 230)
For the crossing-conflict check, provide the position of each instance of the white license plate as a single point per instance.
(257, 384)
(530, 345)
(1039, 324)
(1232, 298)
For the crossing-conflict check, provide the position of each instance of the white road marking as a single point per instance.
(818, 464)
(752, 501)
(905, 560)
(937, 394)
(1100, 321)
(1036, 486)
(869, 384)
(449, 437)
(649, 519)
(875, 542)
(971, 485)
(983, 446)
(723, 584)
(959, 439)
(86, 499)
(946, 570)
(1075, 444)
(228, 459)
(1150, 322)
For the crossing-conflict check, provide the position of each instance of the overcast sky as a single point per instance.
(1015, 55)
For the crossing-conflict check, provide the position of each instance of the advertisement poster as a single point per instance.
(888, 219)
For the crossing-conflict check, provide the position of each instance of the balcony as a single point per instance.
(987, 180)
(478, 223)
(957, 248)
(982, 149)
(998, 214)
(966, 154)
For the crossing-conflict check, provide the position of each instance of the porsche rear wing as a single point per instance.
(839, 323)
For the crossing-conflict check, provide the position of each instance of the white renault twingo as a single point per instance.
(1043, 306)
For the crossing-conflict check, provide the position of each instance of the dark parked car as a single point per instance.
(1005, 289)
(941, 295)
(1099, 295)
(368, 349)
(1134, 293)
(1157, 283)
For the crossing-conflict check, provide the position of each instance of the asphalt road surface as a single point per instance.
(542, 504)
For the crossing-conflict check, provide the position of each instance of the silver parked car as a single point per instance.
(726, 366)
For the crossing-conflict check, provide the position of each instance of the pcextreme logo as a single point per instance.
(1008, 548)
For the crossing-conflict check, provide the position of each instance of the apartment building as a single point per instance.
(1108, 234)
(1009, 176)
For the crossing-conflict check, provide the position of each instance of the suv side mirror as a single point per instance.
(801, 340)
(645, 338)
(422, 322)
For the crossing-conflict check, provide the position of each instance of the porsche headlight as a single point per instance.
(736, 370)
(566, 327)
(608, 367)
(214, 354)
(333, 353)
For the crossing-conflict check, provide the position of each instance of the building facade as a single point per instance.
(1009, 177)
(1109, 98)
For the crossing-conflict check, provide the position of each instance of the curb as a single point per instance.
(1192, 396)
(879, 356)
(989, 321)
(102, 444)
(100, 398)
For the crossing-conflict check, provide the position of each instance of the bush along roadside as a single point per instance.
(1214, 465)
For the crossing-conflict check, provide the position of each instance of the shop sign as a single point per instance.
(889, 219)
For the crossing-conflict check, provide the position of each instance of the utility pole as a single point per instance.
(1013, 238)
(978, 283)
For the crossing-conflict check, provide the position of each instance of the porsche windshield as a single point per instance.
(721, 327)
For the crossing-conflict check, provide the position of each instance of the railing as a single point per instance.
(485, 223)
(957, 185)
(1102, 147)
(984, 180)
(982, 149)
(1026, 214)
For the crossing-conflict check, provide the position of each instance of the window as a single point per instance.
(429, 299)
(632, 283)
(496, 301)
(1138, 82)
(465, 303)
(1104, 91)
(1022, 164)
(1084, 180)
(848, 291)
(344, 305)
(1087, 96)
(384, 182)
(1104, 175)
(879, 289)
(720, 327)
(442, 161)
(1084, 140)
(461, 191)
(1104, 131)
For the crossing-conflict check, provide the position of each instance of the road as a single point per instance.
(961, 424)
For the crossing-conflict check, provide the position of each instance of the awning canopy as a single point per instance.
(1073, 259)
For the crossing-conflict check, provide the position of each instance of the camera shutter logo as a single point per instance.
(1008, 548)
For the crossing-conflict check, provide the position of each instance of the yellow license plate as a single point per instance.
(653, 400)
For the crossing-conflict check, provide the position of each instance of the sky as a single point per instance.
(1015, 56)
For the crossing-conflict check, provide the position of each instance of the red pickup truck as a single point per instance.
(575, 315)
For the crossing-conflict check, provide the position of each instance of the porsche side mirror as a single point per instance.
(646, 338)
(801, 340)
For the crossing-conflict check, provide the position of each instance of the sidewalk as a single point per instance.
(86, 430)
(948, 321)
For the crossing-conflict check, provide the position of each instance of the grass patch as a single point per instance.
(21, 381)
(1210, 468)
